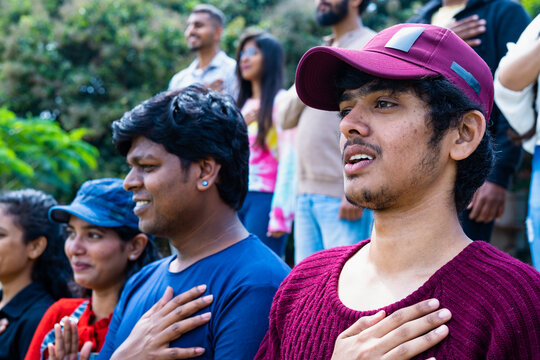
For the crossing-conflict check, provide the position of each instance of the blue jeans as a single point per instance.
(255, 215)
(533, 218)
(317, 225)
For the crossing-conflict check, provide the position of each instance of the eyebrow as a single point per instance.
(351, 94)
(89, 227)
(138, 158)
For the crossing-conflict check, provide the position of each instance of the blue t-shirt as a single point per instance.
(243, 279)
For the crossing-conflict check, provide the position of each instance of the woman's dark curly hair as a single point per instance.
(29, 209)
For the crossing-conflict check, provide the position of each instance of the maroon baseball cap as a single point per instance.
(405, 51)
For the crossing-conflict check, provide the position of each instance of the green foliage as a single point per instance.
(37, 153)
(85, 62)
(293, 23)
(532, 6)
(381, 14)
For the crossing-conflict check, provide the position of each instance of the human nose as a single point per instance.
(132, 181)
(354, 124)
(188, 31)
(74, 245)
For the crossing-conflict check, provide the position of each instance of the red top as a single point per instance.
(88, 329)
(494, 300)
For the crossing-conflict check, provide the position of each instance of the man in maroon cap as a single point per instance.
(414, 105)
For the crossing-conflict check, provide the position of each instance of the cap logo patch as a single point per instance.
(405, 38)
(467, 76)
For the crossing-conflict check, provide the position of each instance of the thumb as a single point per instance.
(470, 206)
(362, 324)
(86, 350)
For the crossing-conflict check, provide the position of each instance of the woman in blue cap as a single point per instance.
(105, 247)
(33, 269)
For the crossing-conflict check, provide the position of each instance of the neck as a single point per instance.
(206, 55)
(350, 23)
(104, 301)
(11, 287)
(429, 231)
(217, 229)
(256, 89)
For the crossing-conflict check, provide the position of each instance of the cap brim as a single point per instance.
(62, 213)
(317, 70)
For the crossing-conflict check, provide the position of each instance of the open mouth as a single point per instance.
(140, 205)
(358, 158)
(356, 162)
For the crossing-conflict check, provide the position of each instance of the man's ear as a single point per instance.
(136, 246)
(36, 247)
(209, 171)
(217, 33)
(468, 135)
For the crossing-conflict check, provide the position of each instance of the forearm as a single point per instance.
(522, 70)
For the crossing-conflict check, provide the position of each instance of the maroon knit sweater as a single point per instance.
(494, 300)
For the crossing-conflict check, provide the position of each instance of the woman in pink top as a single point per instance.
(267, 211)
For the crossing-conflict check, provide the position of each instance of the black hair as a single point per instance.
(194, 123)
(215, 14)
(149, 254)
(271, 79)
(447, 104)
(29, 209)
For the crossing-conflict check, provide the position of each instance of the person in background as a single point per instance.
(487, 26)
(33, 269)
(324, 218)
(517, 95)
(268, 211)
(212, 67)
(105, 247)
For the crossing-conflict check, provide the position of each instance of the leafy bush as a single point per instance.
(85, 62)
(38, 153)
(532, 6)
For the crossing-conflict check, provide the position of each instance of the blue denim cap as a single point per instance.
(101, 202)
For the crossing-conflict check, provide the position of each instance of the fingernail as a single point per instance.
(206, 316)
(199, 350)
(433, 303)
(208, 298)
(201, 287)
(444, 314)
(440, 330)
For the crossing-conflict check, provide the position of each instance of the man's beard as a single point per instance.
(332, 16)
(385, 197)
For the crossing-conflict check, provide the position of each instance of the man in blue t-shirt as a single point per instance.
(188, 153)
